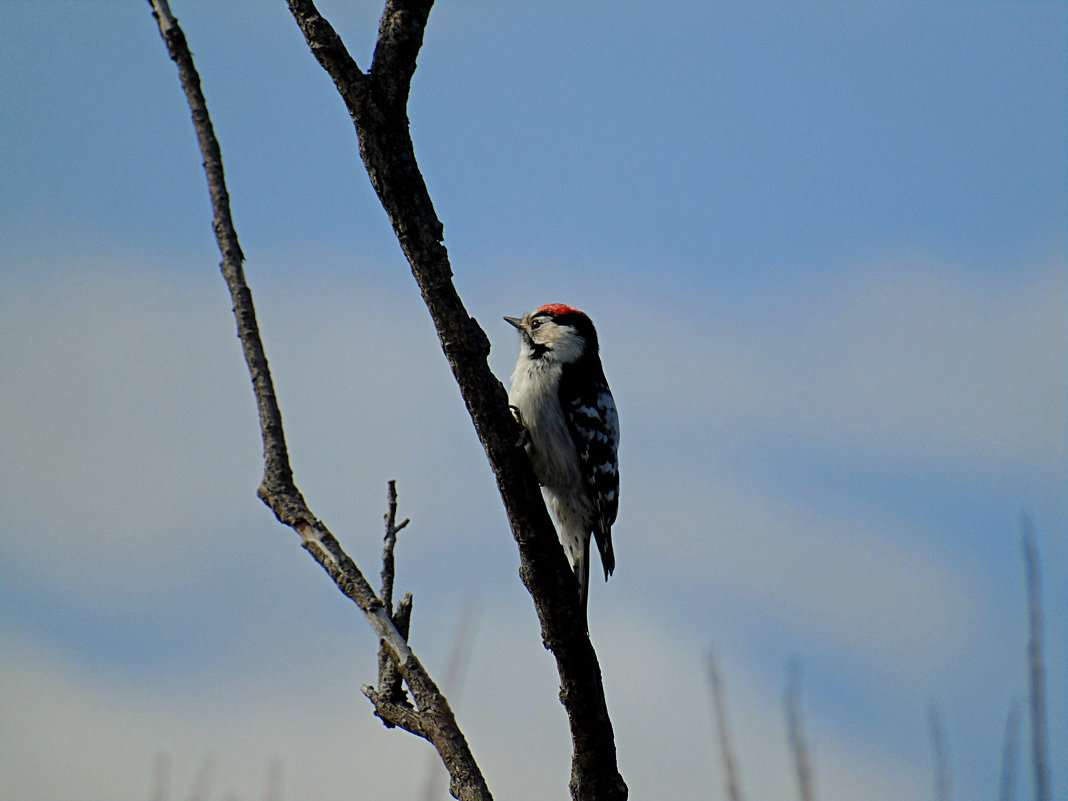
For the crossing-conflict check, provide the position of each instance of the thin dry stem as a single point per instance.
(719, 713)
(796, 732)
(390, 543)
(1036, 669)
(1010, 753)
(941, 753)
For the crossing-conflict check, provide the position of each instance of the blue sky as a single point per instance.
(824, 244)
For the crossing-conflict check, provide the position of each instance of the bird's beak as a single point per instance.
(517, 322)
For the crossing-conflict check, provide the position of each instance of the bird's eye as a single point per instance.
(535, 324)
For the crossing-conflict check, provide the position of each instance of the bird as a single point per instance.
(559, 394)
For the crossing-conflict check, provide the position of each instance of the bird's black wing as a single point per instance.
(594, 426)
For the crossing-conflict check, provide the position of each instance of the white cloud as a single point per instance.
(908, 359)
(928, 360)
(129, 441)
(123, 427)
(70, 733)
(659, 698)
(864, 586)
(130, 456)
(301, 706)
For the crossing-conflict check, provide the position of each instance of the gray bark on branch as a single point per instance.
(432, 718)
(377, 103)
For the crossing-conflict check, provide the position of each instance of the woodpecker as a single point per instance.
(560, 396)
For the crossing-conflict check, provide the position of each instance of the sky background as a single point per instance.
(825, 247)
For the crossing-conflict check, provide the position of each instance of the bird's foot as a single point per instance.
(524, 435)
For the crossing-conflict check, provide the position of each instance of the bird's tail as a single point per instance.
(603, 535)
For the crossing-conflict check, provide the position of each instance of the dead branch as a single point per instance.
(796, 733)
(1010, 753)
(278, 489)
(390, 681)
(719, 712)
(390, 686)
(1036, 670)
(393, 714)
(377, 104)
(941, 753)
(389, 544)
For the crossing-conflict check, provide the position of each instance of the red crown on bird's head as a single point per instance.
(556, 309)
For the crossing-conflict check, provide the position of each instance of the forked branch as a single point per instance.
(432, 718)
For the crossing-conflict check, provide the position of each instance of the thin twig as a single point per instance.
(1036, 670)
(1010, 753)
(397, 714)
(795, 731)
(719, 713)
(388, 561)
(941, 753)
(390, 686)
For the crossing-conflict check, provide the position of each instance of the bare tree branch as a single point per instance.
(377, 103)
(719, 712)
(796, 733)
(393, 714)
(390, 543)
(390, 686)
(1010, 752)
(278, 489)
(1036, 671)
(941, 753)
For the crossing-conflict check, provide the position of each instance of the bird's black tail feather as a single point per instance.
(604, 545)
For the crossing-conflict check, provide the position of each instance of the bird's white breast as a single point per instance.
(551, 449)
